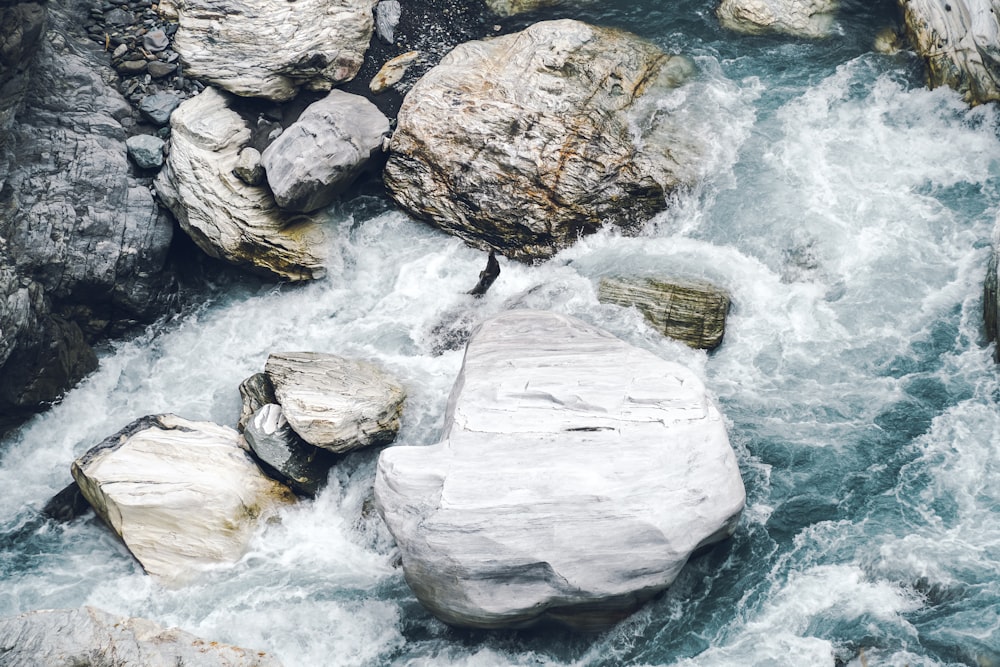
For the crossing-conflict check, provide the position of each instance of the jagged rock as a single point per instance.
(91, 636)
(960, 42)
(248, 167)
(690, 311)
(576, 476)
(991, 302)
(158, 69)
(392, 72)
(146, 151)
(540, 144)
(336, 403)
(284, 455)
(65, 506)
(321, 154)
(21, 26)
(256, 392)
(387, 13)
(802, 18)
(158, 107)
(257, 48)
(180, 494)
(226, 217)
(487, 276)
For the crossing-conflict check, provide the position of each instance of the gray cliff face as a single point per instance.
(83, 245)
(21, 27)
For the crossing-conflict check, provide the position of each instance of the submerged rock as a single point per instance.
(576, 476)
(90, 636)
(284, 455)
(336, 403)
(692, 312)
(960, 42)
(321, 154)
(801, 18)
(387, 14)
(181, 495)
(227, 218)
(991, 303)
(258, 48)
(540, 141)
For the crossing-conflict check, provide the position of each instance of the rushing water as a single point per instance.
(849, 212)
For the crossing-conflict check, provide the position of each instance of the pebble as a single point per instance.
(155, 41)
(158, 69)
(129, 67)
(145, 150)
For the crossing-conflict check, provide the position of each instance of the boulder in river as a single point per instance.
(226, 217)
(336, 403)
(576, 476)
(322, 153)
(691, 311)
(285, 456)
(91, 636)
(960, 42)
(524, 142)
(259, 48)
(180, 494)
(801, 18)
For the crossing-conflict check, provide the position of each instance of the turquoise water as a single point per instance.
(848, 210)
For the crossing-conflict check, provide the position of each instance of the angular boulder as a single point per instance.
(800, 18)
(524, 142)
(336, 403)
(321, 154)
(91, 636)
(256, 392)
(258, 48)
(576, 476)
(960, 42)
(227, 218)
(182, 495)
(689, 311)
(285, 456)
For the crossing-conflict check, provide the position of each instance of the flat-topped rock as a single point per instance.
(336, 403)
(800, 18)
(181, 495)
(225, 216)
(576, 476)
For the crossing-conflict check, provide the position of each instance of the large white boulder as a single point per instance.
(336, 403)
(960, 42)
(524, 142)
(260, 48)
(801, 18)
(576, 476)
(227, 218)
(321, 154)
(90, 636)
(182, 495)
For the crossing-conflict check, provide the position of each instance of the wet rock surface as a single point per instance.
(800, 18)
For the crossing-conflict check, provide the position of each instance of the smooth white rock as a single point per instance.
(336, 403)
(260, 48)
(802, 18)
(182, 495)
(227, 218)
(321, 154)
(91, 636)
(576, 476)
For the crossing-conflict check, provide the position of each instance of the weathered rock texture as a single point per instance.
(802, 18)
(991, 302)
(538, 147)
(258, 48)
(689, 311)
(90, 636)
(83, 245)
(285, 456)
(321, 154)
(256, 392)
(511, 7)
(181, 495)
(336, 403)
(960, 42)
(227, 218)
(576, 476)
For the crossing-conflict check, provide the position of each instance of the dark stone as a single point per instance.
(487, 276)
(158, 107)
(991, 305)
(67, 505)
(257, 391)
(131, 67)
(158, 69)
(119, 17)
(155, 41)
(283, 455)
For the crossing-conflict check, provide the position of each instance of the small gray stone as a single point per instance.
(155, 40)
(120, 51)
(130, 67)
(248, 167)
(158, 107)
(158, 69)
(387, 15)
(283, 455)
(119, 17)
(146, 151)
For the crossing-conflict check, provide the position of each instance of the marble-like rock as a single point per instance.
(284, 455)
(259, 48)
(524, 142)
(801, 18)
(392, 72)
(91, 636)
(256, 392)
(21, 27)
(576, 476)
(322, 153)
(181, 495)
(690, 311)
(960, 42)
(227, 218)
(336, 403)
(145, 150)
(387, 15)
